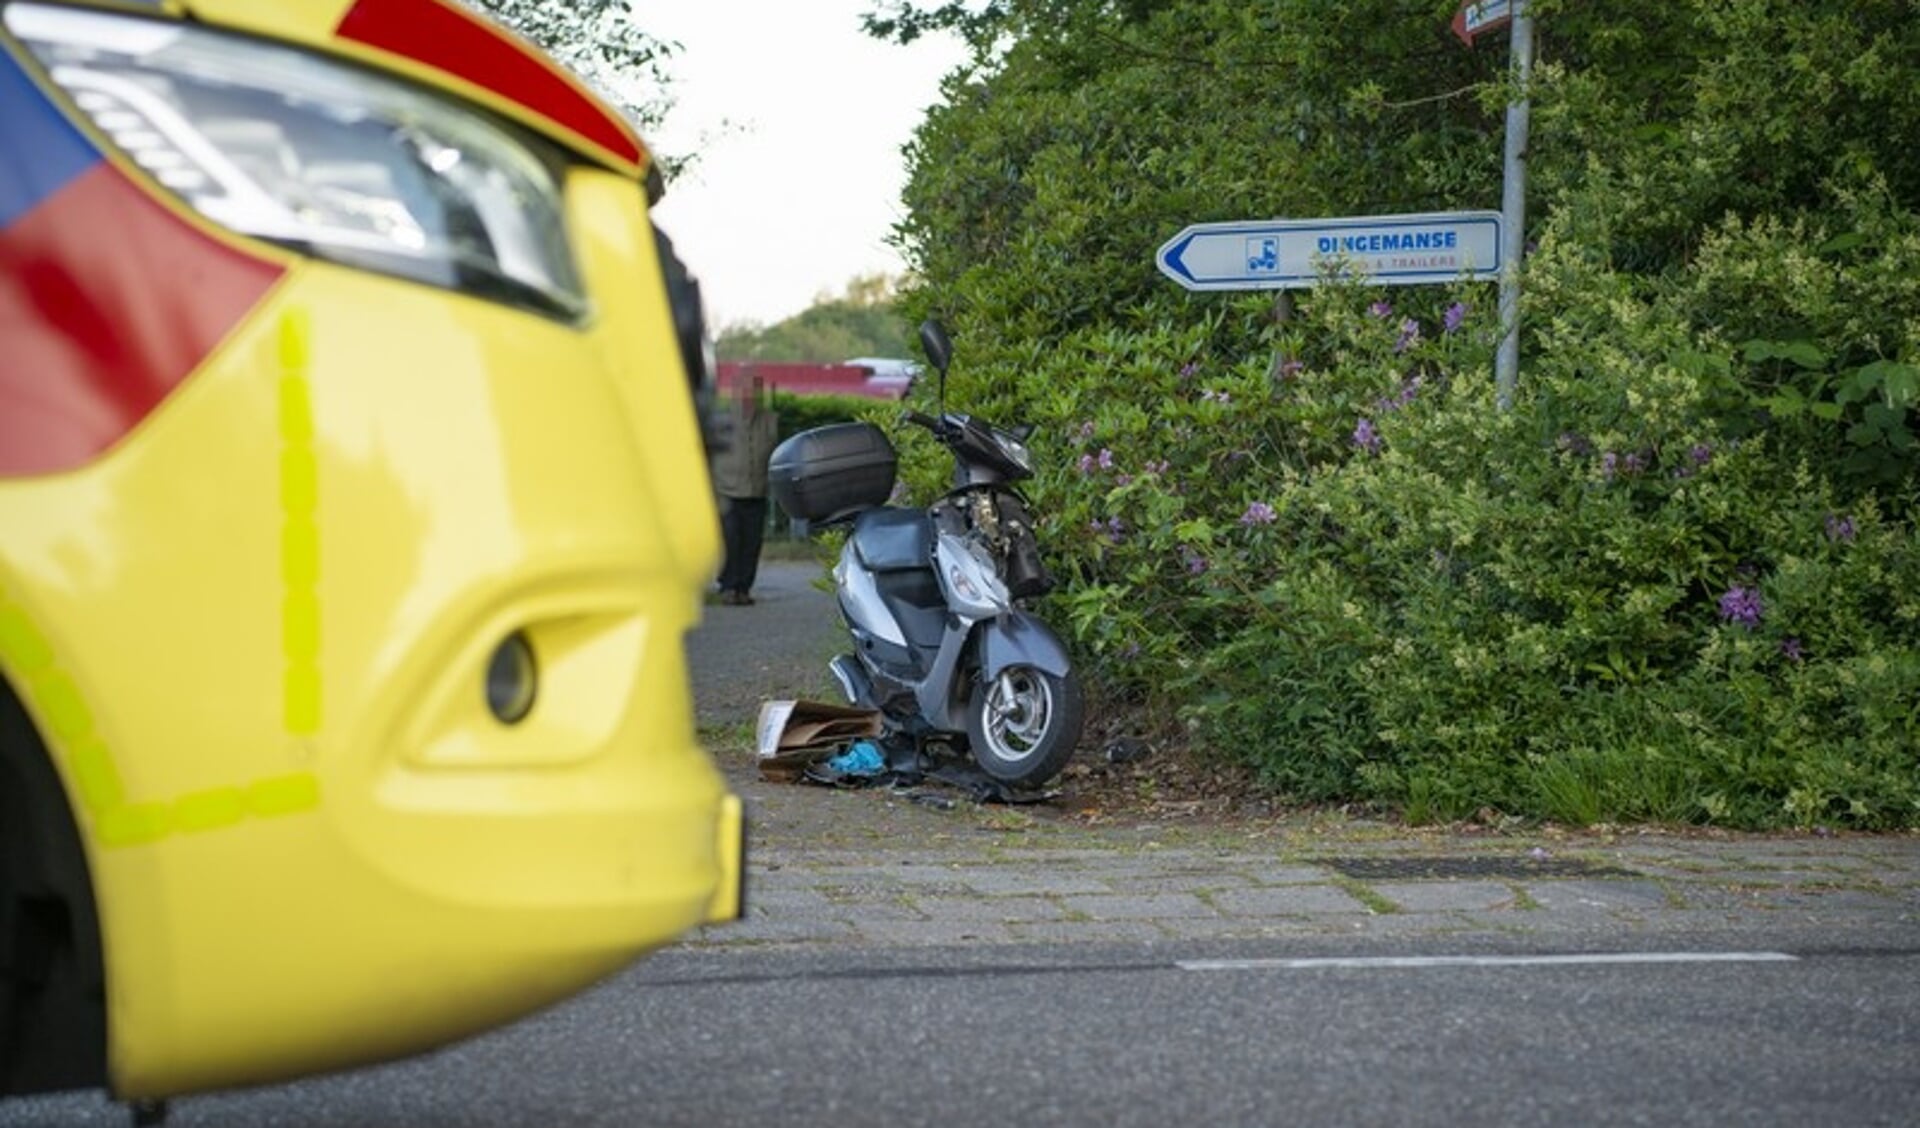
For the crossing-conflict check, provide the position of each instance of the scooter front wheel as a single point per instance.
(1023, 723)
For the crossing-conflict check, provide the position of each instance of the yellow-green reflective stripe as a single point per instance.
(26, 651)
(300, 689)
(61, 707)
(132, 824)
(116, 822)
(93, 773)
(283, 795)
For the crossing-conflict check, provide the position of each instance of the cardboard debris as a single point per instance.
(791, 735)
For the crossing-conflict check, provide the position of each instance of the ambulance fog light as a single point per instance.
(513, 680)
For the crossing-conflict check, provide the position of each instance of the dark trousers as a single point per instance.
(743, 525)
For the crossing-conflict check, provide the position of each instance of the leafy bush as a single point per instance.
(1679, 581)
(1624, 600)
(803, 413)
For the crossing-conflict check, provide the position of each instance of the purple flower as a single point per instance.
(1086, 464)
(1196, 564)
(1698, 455)
(1365, 437)
(1086, 430)
(1612, 464)
(1290, 367)
(1123, 480)
(1216, 397)
(1258, 513)
(1455, 316)
(1409, 335)
(1405, 396)
(1153, 467)
(1105, 460)
(1741, 605)
(1113, 529)
(1188, 369)
(1840, 529)
(1790, 648)
(1381, 310)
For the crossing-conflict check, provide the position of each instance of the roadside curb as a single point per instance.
(1002, 892)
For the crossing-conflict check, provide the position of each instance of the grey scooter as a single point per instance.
(931, 596)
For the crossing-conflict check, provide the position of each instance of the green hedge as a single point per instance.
(802, 413)
(1677, 582)
(1653, 591)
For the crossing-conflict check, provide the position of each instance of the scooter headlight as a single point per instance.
(1016, 451)
(324, 158)
(972, 588)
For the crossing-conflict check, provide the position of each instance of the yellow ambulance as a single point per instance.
(353, 510)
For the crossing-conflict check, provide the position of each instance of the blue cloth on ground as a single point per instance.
(862, 758)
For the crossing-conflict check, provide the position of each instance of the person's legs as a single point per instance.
(752, 515)
(730, 535)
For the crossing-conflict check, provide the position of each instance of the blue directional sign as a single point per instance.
(1294, 254)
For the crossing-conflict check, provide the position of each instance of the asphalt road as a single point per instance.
(916, 963)
(1125, 1035)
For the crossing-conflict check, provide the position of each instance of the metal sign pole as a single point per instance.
(1513, 211)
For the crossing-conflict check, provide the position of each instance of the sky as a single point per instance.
(796, 196)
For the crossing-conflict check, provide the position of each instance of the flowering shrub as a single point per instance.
(1678, 581)
(1321, 545)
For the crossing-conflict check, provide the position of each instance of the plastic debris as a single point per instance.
(862, 758)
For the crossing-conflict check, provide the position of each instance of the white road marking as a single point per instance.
(1309, 964)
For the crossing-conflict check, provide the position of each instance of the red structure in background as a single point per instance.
(811, 379)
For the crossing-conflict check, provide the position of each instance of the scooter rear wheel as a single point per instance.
(1022, 724)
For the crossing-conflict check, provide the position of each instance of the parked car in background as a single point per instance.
(353, 509)
(895, 375)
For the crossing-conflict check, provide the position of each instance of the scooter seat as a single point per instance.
(893, 540)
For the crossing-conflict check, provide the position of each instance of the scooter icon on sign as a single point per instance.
(1263, 255)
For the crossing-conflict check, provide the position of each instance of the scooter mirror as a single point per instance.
(933, 338)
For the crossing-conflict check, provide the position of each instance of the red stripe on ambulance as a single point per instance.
(108, 301)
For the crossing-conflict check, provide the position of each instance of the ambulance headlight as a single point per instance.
(324, 158)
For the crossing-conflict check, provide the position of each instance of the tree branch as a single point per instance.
(1468, 89)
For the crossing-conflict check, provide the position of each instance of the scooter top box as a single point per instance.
(832, 473)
